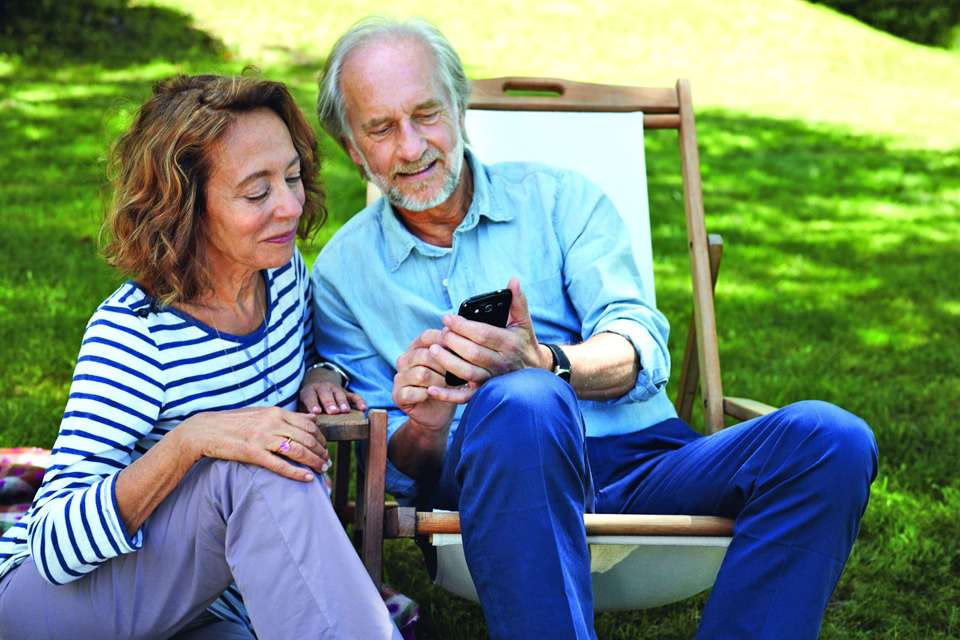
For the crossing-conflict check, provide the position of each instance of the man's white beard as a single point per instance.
(452, 167)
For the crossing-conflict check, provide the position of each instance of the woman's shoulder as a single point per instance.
(130, 315)
(127, 306)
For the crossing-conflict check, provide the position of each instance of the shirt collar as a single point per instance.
(400, 242)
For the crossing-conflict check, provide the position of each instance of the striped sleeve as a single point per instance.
(310, 356)
(115, 399)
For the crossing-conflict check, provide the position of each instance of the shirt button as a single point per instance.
(446, 282)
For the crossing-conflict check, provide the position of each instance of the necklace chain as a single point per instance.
(270, 386)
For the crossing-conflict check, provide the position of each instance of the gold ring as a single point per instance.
(285, 445)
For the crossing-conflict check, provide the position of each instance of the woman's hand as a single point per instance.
(270, 437)
(322, 392)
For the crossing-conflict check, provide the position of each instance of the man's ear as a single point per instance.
(354, 156)
(345, 141)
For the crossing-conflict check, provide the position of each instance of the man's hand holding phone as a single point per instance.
(476, 351)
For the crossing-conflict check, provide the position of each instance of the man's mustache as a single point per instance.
(429, 156)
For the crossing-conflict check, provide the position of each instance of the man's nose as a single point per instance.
(412, 142)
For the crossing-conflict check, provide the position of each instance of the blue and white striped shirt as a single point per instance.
(141, 371)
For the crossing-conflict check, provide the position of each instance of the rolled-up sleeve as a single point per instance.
(604, 284)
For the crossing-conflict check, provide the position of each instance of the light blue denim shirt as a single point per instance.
(377, 287)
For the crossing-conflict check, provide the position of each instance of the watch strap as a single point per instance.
(561, 363)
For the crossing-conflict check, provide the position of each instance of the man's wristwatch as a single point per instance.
(561, 363)
(332, 367)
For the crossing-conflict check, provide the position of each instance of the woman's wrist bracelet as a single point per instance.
(345, 379)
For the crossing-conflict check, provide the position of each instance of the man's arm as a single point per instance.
(604, 366)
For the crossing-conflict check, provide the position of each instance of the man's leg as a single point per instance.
(517, 472)
(796, 482)
(277, 538)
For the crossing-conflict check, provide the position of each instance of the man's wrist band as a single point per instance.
(345, 379)
(561, 363)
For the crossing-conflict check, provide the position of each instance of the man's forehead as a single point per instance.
(385, 75)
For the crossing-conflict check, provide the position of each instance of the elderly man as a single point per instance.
(565, 409)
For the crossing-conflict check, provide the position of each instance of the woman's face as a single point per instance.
(254, 196)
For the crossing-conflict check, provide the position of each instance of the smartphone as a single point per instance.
(491, 308)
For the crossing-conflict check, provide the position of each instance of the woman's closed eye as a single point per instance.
(259, 196)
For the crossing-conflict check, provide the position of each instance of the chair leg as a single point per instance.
(370, 499)
(690, 370)
(341, 481)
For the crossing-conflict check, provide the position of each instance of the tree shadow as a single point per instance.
(53, 34)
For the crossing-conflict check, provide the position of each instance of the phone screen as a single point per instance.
(491, 308)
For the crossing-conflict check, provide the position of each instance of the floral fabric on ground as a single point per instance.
(21, 472)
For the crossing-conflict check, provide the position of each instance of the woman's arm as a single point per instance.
(114, 402)
(255, 435)
(323, 391)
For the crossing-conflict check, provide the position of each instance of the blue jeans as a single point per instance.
(522, 473)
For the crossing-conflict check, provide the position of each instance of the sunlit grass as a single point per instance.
(781, 58)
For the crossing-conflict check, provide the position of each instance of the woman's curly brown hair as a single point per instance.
(160, 167)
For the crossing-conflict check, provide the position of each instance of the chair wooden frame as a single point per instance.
(663, 108)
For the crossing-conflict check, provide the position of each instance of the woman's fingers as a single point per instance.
(304, 430)
(272, 438)
(328, 400)
(356, 401)
(310, 398)
(281, 466)
(340, 399)
(326, 397)
(291, 448)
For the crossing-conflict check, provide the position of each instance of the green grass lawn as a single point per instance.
(831, 165)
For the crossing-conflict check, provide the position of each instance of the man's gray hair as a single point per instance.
(331, 109)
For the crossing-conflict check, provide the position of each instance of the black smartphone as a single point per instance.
(491, 308)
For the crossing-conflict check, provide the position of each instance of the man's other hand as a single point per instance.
(419, 389)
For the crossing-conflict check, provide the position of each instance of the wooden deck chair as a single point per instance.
(637, 561)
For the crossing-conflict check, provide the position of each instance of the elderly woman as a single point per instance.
(183, 497)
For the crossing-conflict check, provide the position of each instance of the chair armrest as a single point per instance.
(344, 426)
(406, 522)
(745, 408)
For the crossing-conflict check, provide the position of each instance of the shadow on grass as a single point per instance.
(57, 33)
